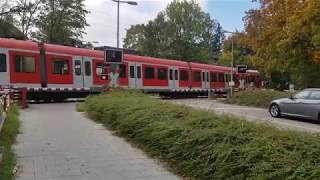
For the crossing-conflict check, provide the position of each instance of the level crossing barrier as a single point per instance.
(4, 105)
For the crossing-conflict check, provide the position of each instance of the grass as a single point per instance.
(80, 107)
(7, 139)
(199, 144)
(260, 98)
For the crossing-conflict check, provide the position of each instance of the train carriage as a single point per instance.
(58, 72)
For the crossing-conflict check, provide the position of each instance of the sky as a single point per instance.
(103, 16)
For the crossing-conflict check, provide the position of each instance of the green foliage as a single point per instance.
(182, 31)
(284, 36)
(241, 51)
(26, 17)
(61, 21)
(54, 21)
(202, 145)
(81, 107)
(256, 98)
(7, 22)
(7, 138)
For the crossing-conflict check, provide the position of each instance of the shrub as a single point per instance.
(7, 139)
(202, 145)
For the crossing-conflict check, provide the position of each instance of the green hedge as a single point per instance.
(7, 139)
(259, 98)
(202, 145)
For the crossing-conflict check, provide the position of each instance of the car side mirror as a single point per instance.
(291, 97)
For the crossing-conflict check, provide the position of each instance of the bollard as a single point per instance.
(5, 104)
(24, 100)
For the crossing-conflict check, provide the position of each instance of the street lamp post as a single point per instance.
(114, 66)
(118, 15)
(232, 64)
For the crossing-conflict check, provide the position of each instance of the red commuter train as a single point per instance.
(58, 72)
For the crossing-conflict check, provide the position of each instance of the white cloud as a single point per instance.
(103, 18)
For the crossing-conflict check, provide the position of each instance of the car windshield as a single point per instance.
(315, 95)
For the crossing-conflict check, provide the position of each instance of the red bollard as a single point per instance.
(5, 104)
(24, 100)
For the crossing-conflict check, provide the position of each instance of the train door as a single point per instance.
(4, 67)
(87, 76)
(173, 77)
(135, 75)
(77, 72)
(227, 79)
(205, 79)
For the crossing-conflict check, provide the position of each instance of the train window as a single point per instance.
(25, 64)
(207, 76)
(122, 71)
(139, 72)
(77, 67)
(221, 77)
(203, 76)
(184, 75)
(162, 74)
(196, 76)
(176, 74)
(3, 63)
(87, 69)
(149, 73)
(60, 66)
(171, 74)
(101, 69)
(213, 77)
(132, 72)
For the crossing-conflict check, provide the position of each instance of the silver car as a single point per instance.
(305, 104)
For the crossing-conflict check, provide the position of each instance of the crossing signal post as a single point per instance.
(241, 69)
(113, 57)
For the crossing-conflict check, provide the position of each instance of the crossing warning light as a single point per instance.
(113, 56)
(104, 77)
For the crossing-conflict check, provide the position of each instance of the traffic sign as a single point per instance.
(231, 83)
(113, 56)
(242, 68)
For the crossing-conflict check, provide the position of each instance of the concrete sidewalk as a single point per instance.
(59, 143)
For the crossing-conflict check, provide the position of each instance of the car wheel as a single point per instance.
(274, 110)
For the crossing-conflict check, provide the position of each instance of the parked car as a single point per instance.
(305, 104)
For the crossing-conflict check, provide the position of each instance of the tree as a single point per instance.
(285, 36)
(26, 17)
(61, 21)
(242, 51)
(7, 21)
(181, 31)
(135, 37)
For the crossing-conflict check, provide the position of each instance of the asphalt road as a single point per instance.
(58, 143)
(251, 114)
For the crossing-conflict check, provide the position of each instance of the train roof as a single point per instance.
(211, 67)
(52, 48)
(19, 44)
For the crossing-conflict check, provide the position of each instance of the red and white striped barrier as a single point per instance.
(5, 100)
(4, 104)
